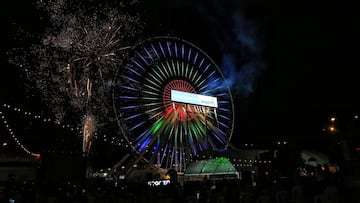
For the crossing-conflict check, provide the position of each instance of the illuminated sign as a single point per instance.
(158, 182)
(190, 98)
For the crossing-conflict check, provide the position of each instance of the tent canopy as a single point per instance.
(216, 166)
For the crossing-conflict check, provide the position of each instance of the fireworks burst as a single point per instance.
(73, 64)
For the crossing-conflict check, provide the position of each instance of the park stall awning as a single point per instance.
(216, 166)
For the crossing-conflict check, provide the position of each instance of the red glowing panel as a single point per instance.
(182, 111)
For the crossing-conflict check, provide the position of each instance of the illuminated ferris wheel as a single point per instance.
(162, 130)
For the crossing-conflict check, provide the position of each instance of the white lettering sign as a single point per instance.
(191, 98)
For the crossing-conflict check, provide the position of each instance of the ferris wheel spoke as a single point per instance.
(148, 54)
(164, 153)
(191, 73)
(217, 138)
(196, 76)
(152, 104)
(197, 81)
(147, 99)
(223, 124)
(222, 136)
(163, 67)
(162, 72)
(221, 95)
(176, 50)
(137, 125)
(151, 82)
(129, 107)
(175, 139)
(203, 86)
(172, 157)
(189, 54)
(210, 75)
(155, 115)
(133, 71)
(142, 136)
(182, 68)
(195, 58)
(154, 110)
(131, 79)
(129, 88)
(178, 68)
(167, 67)
(142, 58)
(198, 130)
(152, 93)
(224, 109)
(156, 78)
(137, 64)
(162, 50)
(210, 142)
(168, 48)
(224, 117)
(201, 63)
(191, 142)
(182, 51)
(133, 116)
(206, 68)
(129, 97)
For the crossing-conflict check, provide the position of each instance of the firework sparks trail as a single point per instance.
(73, 64)
(88, 132)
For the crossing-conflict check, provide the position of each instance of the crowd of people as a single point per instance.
(207, 190)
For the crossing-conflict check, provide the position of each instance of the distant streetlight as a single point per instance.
(332, 129)
(332, 119)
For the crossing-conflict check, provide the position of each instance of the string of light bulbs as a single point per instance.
(32, 115)
(52, 121)
(14, 137)
(41, 118)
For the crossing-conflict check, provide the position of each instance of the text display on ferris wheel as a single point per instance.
(191, 98)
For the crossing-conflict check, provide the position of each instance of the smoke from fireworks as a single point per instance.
(239, 37)
(251, 63)
(73, 64)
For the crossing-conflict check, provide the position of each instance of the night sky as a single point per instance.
(308, 51)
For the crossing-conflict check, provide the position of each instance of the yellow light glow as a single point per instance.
(332, 119)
